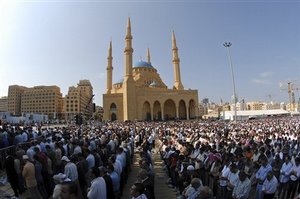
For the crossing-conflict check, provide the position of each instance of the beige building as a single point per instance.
(43, 100)
(79, 100)
(226, 107)
(142, 95)
(240, 106)
(254, 105)
(39, 99)
(4, 104)
(202, 109)
(271, 106)
(14, 99)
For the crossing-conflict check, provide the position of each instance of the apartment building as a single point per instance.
(43, 100)
(79, 100)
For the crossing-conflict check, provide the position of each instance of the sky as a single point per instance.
(45, 42)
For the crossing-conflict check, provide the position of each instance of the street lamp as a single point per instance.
(227, 45)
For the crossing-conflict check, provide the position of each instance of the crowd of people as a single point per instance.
(73, 162)
(248, 159)
(204, 160)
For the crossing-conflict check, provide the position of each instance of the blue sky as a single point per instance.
(42, 41)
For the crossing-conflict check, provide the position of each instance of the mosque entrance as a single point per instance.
(169, 110)
(113, 111)
(113, 117)
(146, 111)
(182, 110)
(156, 111)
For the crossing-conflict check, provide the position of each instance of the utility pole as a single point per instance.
(227, 46)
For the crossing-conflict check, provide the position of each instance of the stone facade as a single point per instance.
(79, 100)
(4, 104)
(38, 99)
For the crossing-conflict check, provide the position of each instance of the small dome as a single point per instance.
(154, 84)
(120, 81)
(142, 64)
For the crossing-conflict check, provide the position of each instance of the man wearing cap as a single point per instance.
(58, 179)
(29, 176)
(70, 169)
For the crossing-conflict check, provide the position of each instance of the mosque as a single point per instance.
(142, 95)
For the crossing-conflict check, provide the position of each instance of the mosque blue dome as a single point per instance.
(120, 81)
(142, 64)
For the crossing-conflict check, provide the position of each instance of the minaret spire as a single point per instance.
(128, 32)
(173, 40)
(128, 50)
(176, 63)
(148, 56)
(109, 69)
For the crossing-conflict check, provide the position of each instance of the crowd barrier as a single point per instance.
(10, 150)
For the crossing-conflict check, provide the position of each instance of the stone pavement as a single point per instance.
(6, 190)
(161, 189)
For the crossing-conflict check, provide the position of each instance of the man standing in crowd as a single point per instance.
(242, 188)
(270, 186)
(261, 175)
(137, 191)
(98, 186)
(30, 180)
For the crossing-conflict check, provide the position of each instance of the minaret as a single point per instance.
(148, 56)
(176, 62)
(109, 69)
(129, 95)
(128, 50)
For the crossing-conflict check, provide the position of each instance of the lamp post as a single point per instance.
(227, 45)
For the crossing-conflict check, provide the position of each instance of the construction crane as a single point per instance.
(291, 89)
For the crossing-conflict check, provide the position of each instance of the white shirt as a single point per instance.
(270, 187)
(71, 171)
(295, 173)
(111, 145)
(242, 189)
(224, 173)
(118, 167)
(30, 152)
(142, 196)
(77, 150)
(91, 161)
(122, 158)
(195, 153)
(233, 179)
(24, 137)
(150, 139)
(97, 189)
(285, 172)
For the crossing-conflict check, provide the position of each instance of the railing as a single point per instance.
(12, 150)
